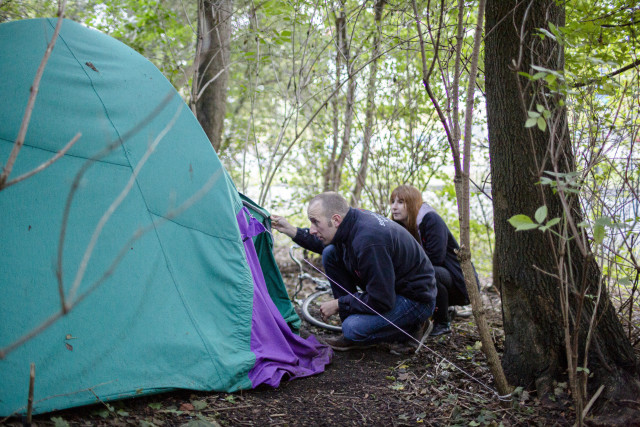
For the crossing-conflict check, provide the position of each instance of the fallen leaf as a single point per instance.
(69, 346)
(186, 407)
(199, 404)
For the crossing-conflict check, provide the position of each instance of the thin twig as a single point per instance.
(32, 380)
(46, 164)
(17, 146)
(112, 208)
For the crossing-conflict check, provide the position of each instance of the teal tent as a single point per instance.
(140, 228)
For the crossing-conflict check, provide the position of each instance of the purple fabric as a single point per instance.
(279, 352)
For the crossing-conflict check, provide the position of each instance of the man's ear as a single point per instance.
(336, 220)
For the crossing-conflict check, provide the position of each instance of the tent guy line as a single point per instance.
(505, 397)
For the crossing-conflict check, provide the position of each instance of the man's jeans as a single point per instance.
(406, 314)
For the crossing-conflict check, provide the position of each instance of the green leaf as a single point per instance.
(547, 33)
(155, 405)
(538, 68)
(604, 221)
(522, 222)
(531, 122)
(542, 124)
(541, 214)
(552, 222)
(540, 108)
(533, 114)
(625, 281)
(199, 405)
(59, 422)
(598, 233)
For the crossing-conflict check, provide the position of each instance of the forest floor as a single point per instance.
(446, 383)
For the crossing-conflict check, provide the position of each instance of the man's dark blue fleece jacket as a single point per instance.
(384, 259)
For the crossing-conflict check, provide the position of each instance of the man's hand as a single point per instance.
(328, 309)
(282, 225)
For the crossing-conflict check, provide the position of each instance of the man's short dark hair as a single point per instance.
(332, 203)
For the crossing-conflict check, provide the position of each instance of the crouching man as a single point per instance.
(395, 276)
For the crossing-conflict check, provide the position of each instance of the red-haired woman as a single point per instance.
(430, 230)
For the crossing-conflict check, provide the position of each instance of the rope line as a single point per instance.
(505, 397)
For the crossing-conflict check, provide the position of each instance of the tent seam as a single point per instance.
(159, 240)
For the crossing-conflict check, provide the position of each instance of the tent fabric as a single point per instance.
(167, 298)
(263, 243)
(282, 354)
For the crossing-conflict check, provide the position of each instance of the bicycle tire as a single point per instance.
(306, 314)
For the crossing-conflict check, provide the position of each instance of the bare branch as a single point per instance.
(17, 146)
(46, 164)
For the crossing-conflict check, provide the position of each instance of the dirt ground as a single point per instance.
(446, 383)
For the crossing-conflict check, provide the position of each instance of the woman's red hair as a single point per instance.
(412, 198)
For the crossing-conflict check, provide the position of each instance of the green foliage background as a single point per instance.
(282, 75)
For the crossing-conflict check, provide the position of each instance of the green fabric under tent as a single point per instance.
(174, 307)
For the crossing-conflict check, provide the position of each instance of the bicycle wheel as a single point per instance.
(311, 310)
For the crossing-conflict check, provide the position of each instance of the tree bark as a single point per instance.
(361, 177)
(212, 59)
(341, 52)
(528, 264)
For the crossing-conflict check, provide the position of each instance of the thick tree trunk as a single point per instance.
(535, 352)
(210, 82)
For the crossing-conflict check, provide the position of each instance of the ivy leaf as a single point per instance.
(522, 222)
(541, 214)
(542, 125)
(552, 222)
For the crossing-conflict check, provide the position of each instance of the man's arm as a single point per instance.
(282, 225)
(301, 236)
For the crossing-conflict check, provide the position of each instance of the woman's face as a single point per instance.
(399, 210)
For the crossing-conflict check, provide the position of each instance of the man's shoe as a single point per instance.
(342, 344)
(441, 329)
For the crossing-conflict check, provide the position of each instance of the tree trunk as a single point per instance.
(212, 65)
(361, 178)
(535, 352)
